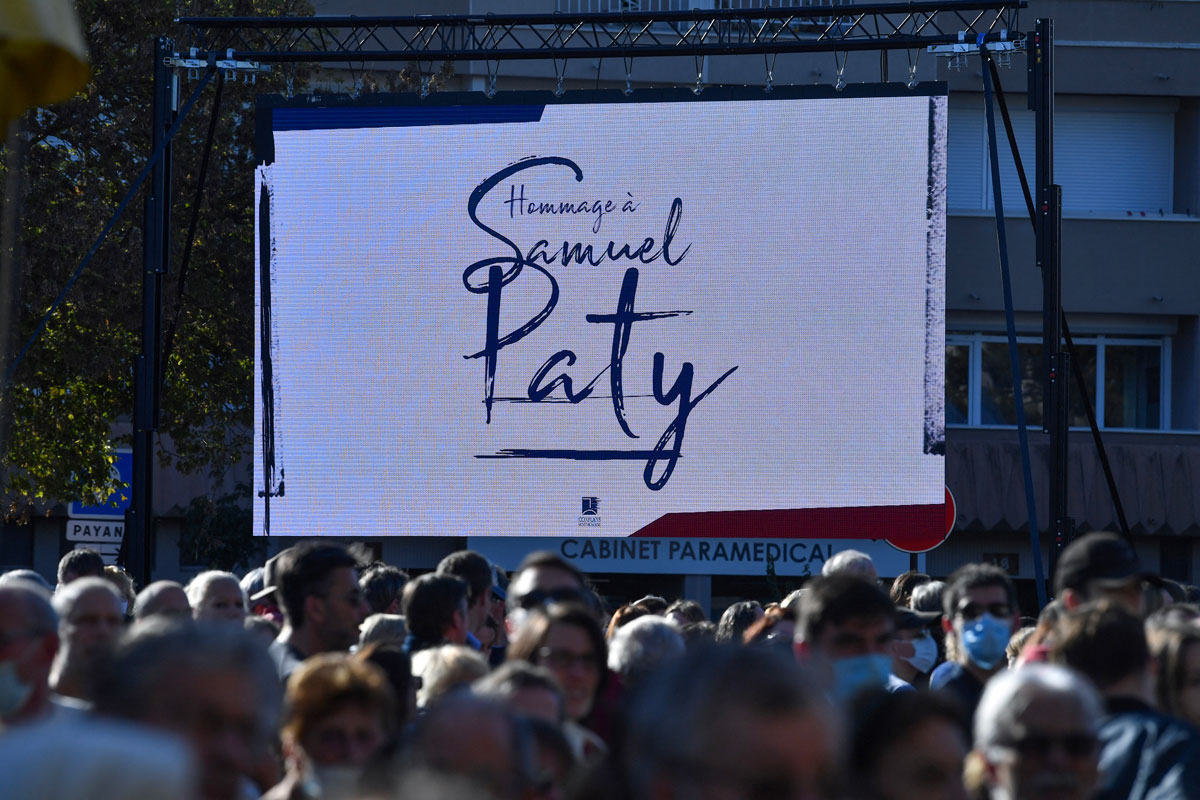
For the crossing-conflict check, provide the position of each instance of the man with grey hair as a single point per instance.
(89, 618)
(28, 576)
(217, 596)
(1036, 734)
(162, 597)
(851, 562)
(28, 642)
(643, 646)
(383, 628)
(730, 722)
(211, 684)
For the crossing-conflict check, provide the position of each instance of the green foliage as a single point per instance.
(217, 533)
(72, 397)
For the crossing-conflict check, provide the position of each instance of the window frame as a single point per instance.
(974, 341)
(1076, 114)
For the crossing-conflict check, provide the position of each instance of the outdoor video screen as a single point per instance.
(600, 315)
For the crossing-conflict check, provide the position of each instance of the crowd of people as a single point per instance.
(324, 674)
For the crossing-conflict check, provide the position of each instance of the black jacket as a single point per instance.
(1146, 755)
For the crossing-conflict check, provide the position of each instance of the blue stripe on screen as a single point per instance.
(332, 118)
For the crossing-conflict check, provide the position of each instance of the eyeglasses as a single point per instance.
(971, 610)
(540, 598)
(1039, 745)
(565, 659)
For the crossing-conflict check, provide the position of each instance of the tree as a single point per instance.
(72, 397)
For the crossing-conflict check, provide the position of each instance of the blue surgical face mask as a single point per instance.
(984, 640)
(853, 675)
(924, 655)
(14, 692)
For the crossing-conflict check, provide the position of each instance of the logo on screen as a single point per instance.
(589, 515)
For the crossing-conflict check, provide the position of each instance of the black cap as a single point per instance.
(270, 580)
(909, 620)
(252, 581)
(1101, 557)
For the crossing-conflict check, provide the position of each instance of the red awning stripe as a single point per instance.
(913, 528)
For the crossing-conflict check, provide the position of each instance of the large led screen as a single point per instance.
(601, 315)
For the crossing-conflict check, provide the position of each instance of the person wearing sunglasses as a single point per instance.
(543, 577)
(980, 614)
(1102, 564)
(1036, 735)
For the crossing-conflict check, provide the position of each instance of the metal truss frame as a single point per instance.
(801, 29)
(244, 44)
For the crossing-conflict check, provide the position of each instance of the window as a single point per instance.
(1127, 379)
(1111, 156)
(16, 545)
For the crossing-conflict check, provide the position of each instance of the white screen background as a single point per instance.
(807, 223)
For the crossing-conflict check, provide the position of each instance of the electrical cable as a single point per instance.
(154, 158)
(169, 338)
(1076, 363)
(1010, 322)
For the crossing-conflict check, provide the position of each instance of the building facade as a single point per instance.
(1127, 151)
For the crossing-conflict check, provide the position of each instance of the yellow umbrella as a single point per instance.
(42, 55)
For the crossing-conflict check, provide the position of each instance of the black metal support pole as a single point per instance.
(139, 526)
(1056, 362)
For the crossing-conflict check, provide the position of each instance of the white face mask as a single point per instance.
(924, 655)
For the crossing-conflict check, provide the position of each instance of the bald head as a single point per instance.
(27, 575)
(164, 598)
(851, 562)
(89, 618)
